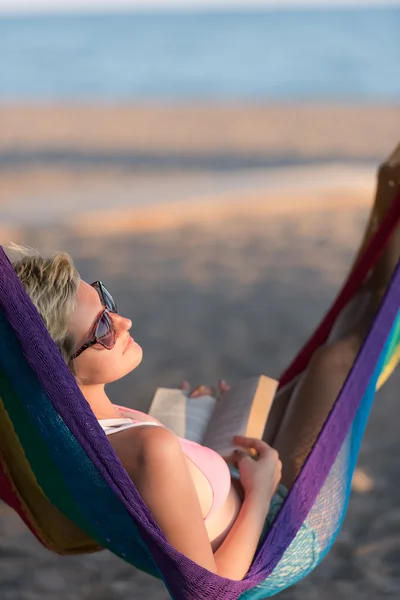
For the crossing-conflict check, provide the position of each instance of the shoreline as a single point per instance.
(127, 203)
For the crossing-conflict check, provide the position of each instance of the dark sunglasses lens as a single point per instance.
(105, 331)
(109, 300)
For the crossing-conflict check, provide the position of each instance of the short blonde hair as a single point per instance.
(52, 285)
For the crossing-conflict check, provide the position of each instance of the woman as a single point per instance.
(205, 513)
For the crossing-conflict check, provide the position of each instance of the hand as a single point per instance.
(259, 476)
(205, 390)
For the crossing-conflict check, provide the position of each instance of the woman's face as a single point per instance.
(97, 365)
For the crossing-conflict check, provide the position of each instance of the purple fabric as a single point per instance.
(184, 578)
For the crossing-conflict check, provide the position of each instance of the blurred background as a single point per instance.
(214, 164)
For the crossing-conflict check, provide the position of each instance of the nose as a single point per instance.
(121, 323)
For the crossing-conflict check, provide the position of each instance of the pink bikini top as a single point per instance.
(210, 463)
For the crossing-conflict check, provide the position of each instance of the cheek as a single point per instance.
(89, 369)
(122, 364)
(116, 364)
(106, 366)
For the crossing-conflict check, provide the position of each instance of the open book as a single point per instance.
(243, 410)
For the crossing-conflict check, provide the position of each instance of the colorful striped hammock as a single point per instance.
(59, 472)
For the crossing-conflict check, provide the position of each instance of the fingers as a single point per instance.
(200, 390)
(250, 453)
(237, 456)
(223, 386)
(203, 390)
(260, 446)
(209, 390)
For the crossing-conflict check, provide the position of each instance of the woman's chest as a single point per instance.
(220, 522)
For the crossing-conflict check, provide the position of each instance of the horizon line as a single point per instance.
(142, 6)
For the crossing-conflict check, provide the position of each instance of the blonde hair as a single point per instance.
(52, 284)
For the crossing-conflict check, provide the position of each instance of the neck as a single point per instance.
(99, 402)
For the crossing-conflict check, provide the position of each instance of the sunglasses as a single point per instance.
(104, 329)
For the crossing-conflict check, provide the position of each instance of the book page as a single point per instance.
(169, 407)
(187, 417)
(199, 412)
(243, 410)
(230, 416)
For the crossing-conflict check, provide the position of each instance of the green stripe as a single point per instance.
(395, 341)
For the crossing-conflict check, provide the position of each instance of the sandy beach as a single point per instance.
(224, 270)
(308, 131)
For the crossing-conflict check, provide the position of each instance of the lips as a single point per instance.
(128, 344)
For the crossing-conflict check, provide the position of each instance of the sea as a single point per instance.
(338, 55)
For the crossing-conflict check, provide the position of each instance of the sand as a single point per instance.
(278, 131)
(223, 275)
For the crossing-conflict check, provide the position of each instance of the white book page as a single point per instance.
(231, 416)
(199, 412)
(187, 417)
(169, 407)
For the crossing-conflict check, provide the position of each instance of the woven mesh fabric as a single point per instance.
(108, 500)
(328, 511)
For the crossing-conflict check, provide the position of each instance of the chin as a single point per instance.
(125, 363)
(127, 366)
(135, 354)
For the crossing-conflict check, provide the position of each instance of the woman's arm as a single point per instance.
(235, 555)
(162, 478)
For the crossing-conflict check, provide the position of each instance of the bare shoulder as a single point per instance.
(161, 475)
(133, 444)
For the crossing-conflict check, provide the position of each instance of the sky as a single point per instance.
(17, 6)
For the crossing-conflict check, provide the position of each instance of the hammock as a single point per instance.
(59, 472)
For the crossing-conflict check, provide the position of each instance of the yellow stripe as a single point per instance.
(389, 368)
(57, 532)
